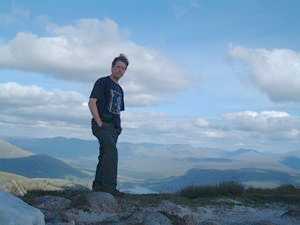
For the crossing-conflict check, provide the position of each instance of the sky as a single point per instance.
(223, 74)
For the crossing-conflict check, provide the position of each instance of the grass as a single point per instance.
(230, 189)
(284, 193)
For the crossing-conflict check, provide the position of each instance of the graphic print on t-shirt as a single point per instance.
(115, 102)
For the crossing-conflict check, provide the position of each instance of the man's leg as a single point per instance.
(107, 168)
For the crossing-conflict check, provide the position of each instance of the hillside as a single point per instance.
(39, 166)
(8, 150)
(58, 147)
(20, 185)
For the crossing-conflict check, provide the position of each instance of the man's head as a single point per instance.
(119, 66)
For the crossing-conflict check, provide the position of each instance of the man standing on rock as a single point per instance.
(106, 102)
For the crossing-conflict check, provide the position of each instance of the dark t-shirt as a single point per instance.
(110, 100)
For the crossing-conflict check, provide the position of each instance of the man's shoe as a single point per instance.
(97, 187)
(118, 193)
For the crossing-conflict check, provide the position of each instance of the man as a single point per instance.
(106, 102)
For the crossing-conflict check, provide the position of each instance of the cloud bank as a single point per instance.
(35, 112)
(275, 72)
(83, 51)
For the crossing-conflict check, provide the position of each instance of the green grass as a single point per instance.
(230, 189)
(284, 193)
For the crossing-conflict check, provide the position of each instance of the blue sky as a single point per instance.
(214, 73)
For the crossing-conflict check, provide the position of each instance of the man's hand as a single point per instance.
(100, 123)
(94, 110)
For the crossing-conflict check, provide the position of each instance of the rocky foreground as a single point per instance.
(99, 208)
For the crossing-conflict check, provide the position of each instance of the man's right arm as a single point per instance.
(94, 111)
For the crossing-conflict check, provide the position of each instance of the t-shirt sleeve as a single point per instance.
(98, 89)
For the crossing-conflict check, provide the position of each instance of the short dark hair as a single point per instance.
(121, 58)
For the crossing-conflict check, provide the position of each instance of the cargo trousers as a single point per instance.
(107, 167)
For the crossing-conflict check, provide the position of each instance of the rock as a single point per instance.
(101, 202)
(62, 223)
(228, 201)
(184, 213)
(14, 211)
(52, 202)
(263, 222)
(191, 219)
(52, 206)
(2, 188)
(156, 218)
(85, 218)
(134, 218)
(208, 223)
(173, 209)
(294, 213)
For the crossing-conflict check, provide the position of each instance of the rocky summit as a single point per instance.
(100, 208)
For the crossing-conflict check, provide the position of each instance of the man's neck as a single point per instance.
(114, 79)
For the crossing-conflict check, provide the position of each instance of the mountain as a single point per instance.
(58, 147)
(242, 152)
(8, 150)
(292, 162)
(140, 160)
(40, 166)
(212, 177)
(207, 160)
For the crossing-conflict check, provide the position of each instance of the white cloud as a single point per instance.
(275, 72)
(33, 103)
(32, 110)
(83, 52)
(264, 126)
(200, 122)
(35, 112)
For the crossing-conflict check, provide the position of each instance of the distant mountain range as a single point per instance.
(146, 161)
(39, 166)
(58, 147)
(212, 177)
(240, 152)
(292, 162)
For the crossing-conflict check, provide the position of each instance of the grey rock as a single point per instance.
(173, 209)
(156, 218)
(14, 211)
(101, 202)
(192, 219)
(62, 223)
(85, 217)
(208, 223)
(52, 202)
(134, 218)
(294, 213)
(263, 222)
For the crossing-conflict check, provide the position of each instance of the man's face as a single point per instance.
(118, 70)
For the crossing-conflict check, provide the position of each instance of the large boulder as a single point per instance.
(88, 217)
(52, 202)
(101, 202)
(52, 206)
(156, 218)
(14, 211)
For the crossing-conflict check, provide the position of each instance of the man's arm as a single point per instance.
(94, 110)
